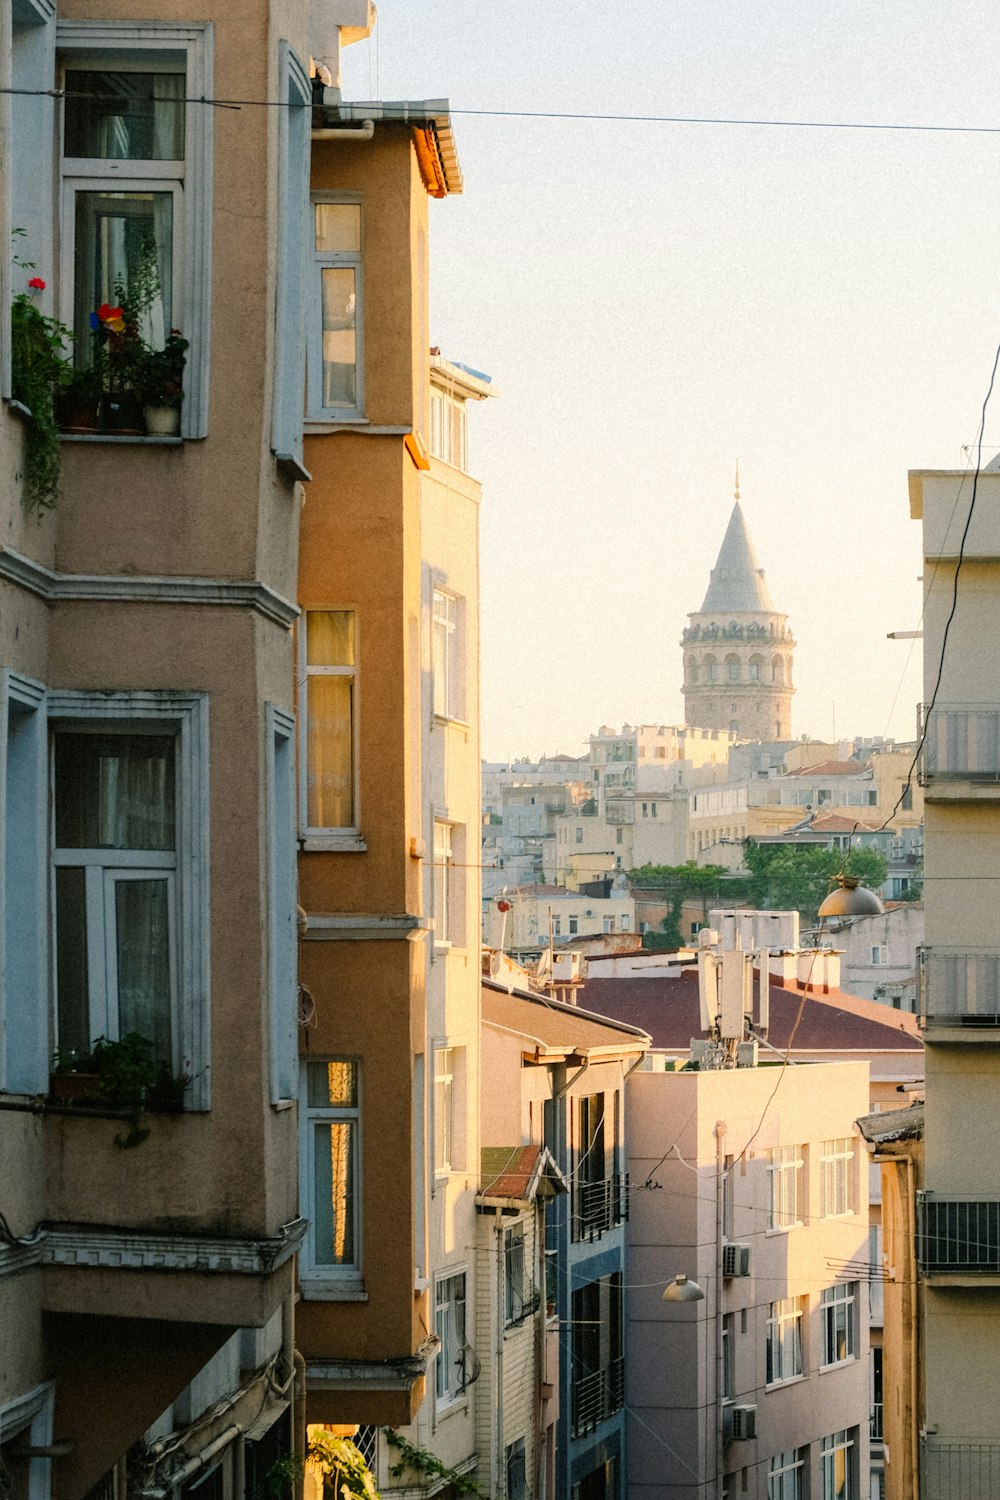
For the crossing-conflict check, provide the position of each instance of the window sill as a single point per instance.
(778, 1385)
(841, 1364)
(121, 437)
(784, 1229)
(338, 424)
(333, 843)
(454, 1403)
(330, 1291)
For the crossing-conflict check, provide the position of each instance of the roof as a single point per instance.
(514, 1175)
(552, 1029)
(668, 1009)
(830, 768)
(893, 1125)
(737, 583)
(430, 121)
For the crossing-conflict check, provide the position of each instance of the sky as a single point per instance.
(655, 302)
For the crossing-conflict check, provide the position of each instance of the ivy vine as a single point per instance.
(419, 1461)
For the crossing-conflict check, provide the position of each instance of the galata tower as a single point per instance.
(738, 648)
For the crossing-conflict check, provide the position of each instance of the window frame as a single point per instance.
(347, 838)
(186, 716)
(784, 1321)
(450, 680)
(154, 46)
(25, 883)
(791, 1463)
(781, 1165)
(445, 1064)
(838, 1178)
(839, 1307)
(321, 1281)
(282, 914)
(843, 1441)
(289, 388)
(450, 1390)
(335, 260)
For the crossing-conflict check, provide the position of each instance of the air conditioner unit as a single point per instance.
(744, 1423)
(736, 1260)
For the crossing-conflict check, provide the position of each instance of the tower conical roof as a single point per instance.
(737, 584)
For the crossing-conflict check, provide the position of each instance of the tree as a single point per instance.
(713, 885)
(787, 877)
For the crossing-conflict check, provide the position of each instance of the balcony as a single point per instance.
(961, 743)
(875, 1421)
(957, 1469)
(958, 1236)
(597, 1396)
(600, 1206)
(959, 988)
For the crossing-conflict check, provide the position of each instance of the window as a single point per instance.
(654, 809)
(520, 1294)
(444, 1106)
(786, 1166)
(130, 876)
(607, 924)
(728, 1332)
(448, 429)
(837, 1459)
(754, 669)
(880, 953)
(25, 1047)
(574, 926)
(598, 1372)
(784, 1340)
(449, 884)
(446, 655)
(557, 926)
(449, 1324)
(626, 922)
(334, 356)
(282, 936)
(733, 669)
(136, 170)
(579, 835)
(837, 1306)
(619, 835)
(837, 1178)
(294, 224)
(727, 1198)
(600, 1484)
(331, 1166)
(785, 1476)
(328, 646)
(515, 1464)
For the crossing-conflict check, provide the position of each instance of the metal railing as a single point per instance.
(597, 1396)
(957, 1469)
(962, 741)
(875, 1421)
(600, 1206)
(958, 1234)
(958, 986)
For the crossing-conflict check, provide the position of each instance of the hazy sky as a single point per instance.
(654, 301)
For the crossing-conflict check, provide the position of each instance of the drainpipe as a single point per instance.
(500, 1469)
(720, 1446)
(362, 132)
(918, 1414)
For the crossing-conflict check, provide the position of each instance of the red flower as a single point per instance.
(37, 284)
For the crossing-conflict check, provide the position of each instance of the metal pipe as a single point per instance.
(201, 1459)
(362, 132)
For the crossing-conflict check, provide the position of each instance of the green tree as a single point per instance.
(712, 885)
(786, 877)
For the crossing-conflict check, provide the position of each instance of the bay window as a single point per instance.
(331, 1171)
(329, 751)
(336, 386)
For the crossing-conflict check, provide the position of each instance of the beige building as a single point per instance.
(959, 1005)
(738, 649)
(540, 915)
(761, 1387)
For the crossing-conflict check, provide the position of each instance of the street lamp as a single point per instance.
(849, 898)
(682, 1290)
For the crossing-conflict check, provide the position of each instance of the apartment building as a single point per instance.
(959, 1001)
(147, 694)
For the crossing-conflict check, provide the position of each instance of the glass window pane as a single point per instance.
(125, 116)
(334, 1191)
(124, 242)
(338, 228)
(330, 752)
(115, 792)
(71, 961)
(330, 637)
(333, 1085)
(340, 385)
(142, 938)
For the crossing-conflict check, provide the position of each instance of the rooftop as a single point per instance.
(737, 583)
(551, 1029)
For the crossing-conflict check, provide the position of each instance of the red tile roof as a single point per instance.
(830, 768)
(668, 1009)
(837, 823)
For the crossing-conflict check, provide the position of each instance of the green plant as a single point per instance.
(127, 1075)
(160, 372)
(419, 1461)
(39, 348)
(342, 1466)
(282, 1474)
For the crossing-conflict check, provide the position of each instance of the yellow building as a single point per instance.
(958, 1249)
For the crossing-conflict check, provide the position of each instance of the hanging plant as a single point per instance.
(40, 368)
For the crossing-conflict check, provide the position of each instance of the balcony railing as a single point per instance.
(875, 1422)
(956, 1469)
(597, 1396)
(958, 1234)
(959, 987)
(962, 741)
(600, 1206)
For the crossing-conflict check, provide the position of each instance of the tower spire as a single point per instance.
(736, 492)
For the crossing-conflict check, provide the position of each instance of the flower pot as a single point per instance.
(163, 421)
(122, 413)
(78, 413)
(73, 1088)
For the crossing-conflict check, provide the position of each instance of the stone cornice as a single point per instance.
(19, 1257)
(378, 1374)
(87, 1246)
(363, 926)
(55, 587)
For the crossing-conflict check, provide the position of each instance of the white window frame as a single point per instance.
(24, 883)
(319, 1280)
(450, 1384)
(447, 663)
(786, 1475)
(123, 46)
(186, 717)
(784, 1341)
(448, 883)
(838, 1191)
(786, 1171)
(444, 1108)
(349, 838)
(728, 1352)
(839, 1308)
(845, 1442)
(318, 262)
